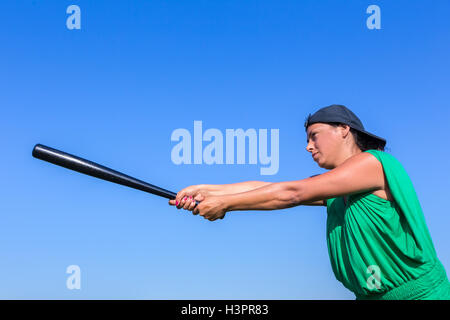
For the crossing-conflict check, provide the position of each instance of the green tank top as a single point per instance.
(381, 249)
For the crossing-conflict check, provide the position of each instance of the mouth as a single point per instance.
(314, 155)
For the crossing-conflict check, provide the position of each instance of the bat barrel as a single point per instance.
(93, 169)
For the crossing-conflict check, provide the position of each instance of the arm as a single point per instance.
(322, 203)
(199, 192)
(224, 189)
(362, 172)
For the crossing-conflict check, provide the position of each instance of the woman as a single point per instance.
(378, 241)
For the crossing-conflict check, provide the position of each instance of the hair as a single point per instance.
(363, 141)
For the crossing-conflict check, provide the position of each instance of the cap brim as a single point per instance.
(383, 141)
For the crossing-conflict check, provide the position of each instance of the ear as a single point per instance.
(345, 129)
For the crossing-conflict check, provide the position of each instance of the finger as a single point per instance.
(192, 205)
(196, 211)
(179, 198)
(183, 202)
(188, 202)
(172, 202)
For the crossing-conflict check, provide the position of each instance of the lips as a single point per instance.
(314, 154)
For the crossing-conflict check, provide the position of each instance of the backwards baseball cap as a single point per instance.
(341, 114)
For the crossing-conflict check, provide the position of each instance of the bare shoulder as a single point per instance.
(363, 166)
(360, 173)
(363, 158)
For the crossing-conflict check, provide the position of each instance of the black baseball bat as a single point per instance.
(93, 169)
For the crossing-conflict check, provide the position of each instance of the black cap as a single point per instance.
(341, 114)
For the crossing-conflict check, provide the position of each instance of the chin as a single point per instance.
(328, 166)
(325, 165)
(320, 164)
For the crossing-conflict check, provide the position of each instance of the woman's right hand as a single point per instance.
(187, 197)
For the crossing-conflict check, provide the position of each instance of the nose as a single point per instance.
(309, 146)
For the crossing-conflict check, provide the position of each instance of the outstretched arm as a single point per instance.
(240, 187)
(275, 196)
(224, 189)
(360, 173)
(186, 197)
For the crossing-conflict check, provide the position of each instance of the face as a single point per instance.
(324, 142)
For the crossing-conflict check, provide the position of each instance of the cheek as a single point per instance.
(324, 147)
(321, 145)
(326, 143)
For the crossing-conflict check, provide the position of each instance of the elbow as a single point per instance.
(290, 194)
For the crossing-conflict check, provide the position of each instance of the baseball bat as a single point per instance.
(96, 170)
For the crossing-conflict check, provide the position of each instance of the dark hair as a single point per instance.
(363, 141)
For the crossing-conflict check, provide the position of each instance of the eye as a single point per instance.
(311, 136)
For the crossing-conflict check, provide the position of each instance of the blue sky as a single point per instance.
(114, 92)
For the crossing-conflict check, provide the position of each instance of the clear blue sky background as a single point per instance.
(114, 91)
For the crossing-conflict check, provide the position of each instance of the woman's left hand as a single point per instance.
(211, 208)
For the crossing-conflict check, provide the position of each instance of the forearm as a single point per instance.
(226, 189)
(273, 196)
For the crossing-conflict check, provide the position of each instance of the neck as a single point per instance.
(346, 154)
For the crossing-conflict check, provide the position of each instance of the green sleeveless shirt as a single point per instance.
(381, 249)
